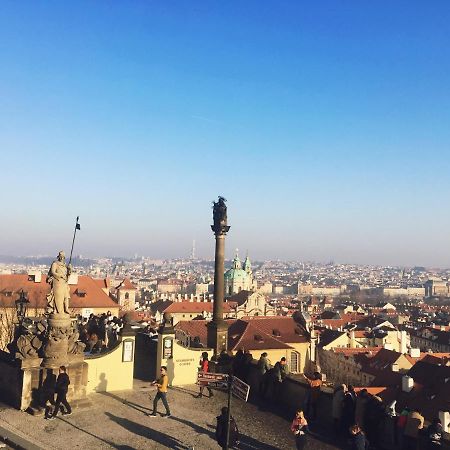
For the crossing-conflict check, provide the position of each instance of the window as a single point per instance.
(127, 295)
(294, 362)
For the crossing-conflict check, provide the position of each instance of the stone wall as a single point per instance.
(112, 370)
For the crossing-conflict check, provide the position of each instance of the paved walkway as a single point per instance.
(120, 421)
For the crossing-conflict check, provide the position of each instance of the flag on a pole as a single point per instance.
(77, 225)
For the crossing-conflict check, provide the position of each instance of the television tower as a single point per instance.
(193, 250)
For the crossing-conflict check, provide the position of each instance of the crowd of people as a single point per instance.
(363, 418)
(358, 418)
(99, 332)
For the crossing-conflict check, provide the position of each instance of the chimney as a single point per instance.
(444, 416)
(352, 339)
(414, 352)
(35, 275)
(73, 279)
(394, 367)
(403, 342)
(407, 383)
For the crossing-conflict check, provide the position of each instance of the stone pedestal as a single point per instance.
(217, 336)
(56, 343)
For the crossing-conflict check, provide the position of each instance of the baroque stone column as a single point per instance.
(217, 336)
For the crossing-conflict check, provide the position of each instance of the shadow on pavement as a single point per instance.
(185, 391)
(87, 432)
(149, 433)
(246, 442)
(197, 428)
(136, 406)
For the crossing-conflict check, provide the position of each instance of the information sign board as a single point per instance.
(240, 389)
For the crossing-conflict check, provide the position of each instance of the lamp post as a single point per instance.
(21, 307)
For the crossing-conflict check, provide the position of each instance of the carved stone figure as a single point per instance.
(75, 346)
(58, 276)
(28, 346)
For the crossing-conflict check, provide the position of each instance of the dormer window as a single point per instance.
(81, 293)
(276, 332)
(258, 338)
(7, 293)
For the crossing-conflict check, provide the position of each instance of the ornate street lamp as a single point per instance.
(21, 307)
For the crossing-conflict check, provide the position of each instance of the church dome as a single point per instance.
(236, 272)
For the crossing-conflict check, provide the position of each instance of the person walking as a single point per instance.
(61, 389)
(162, 384)
(204, 366)
(222, 428)
(299, 427)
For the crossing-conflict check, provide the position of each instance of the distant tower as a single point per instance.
(193, 250)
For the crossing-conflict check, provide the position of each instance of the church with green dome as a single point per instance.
(239, 277)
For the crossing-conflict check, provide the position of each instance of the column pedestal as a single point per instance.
(57, 341)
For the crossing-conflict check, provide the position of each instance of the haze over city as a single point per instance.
(326, 128)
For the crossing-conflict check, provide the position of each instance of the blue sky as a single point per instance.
(324, 124)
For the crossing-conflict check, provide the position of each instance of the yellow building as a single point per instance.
(277, 336)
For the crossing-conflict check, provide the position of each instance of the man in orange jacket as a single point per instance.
(161, 383)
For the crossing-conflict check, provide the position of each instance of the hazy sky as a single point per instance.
(325, 124)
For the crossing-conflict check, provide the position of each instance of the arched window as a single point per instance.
(127, 295)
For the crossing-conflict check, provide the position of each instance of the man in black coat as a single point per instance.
(61, 388)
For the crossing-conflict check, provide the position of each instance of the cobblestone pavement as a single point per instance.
(120, 421)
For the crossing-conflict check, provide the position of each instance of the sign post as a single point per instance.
(214, 380)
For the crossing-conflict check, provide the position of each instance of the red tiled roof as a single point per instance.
(127, 285)
(248, 334)
(93, 295)
(289, 330)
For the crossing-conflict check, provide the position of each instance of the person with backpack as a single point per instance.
(299, 427)
(204, 366)
(358, 438)
(222, 427)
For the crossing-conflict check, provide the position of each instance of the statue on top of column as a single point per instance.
(220, 216)
(58, 277)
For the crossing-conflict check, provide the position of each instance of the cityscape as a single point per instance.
(225, 225)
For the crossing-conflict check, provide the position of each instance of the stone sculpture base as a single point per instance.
(23, 383)
(57, 341)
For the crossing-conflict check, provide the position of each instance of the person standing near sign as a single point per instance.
(204, 368)
(161, 383)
